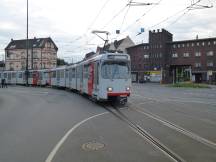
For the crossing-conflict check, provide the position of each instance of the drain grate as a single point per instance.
(93, 146)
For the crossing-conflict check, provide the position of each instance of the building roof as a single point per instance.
(113, 46)
(33, 43)
(137, 45)
(192, 40)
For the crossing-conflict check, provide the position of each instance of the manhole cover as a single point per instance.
(93, 146)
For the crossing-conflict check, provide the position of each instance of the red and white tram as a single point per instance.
(102, 77)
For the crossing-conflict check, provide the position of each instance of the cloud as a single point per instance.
(65, 21)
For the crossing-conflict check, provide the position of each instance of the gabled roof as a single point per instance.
(33, 43)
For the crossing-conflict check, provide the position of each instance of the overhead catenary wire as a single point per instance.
(138, 19)
(129, 5)
(93, 22)
(144, 14)
(108, 23)
(184, 12)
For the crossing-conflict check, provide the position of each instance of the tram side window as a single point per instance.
(73, 73)
(54, 74)
(81, 73)
(13, 75)
(96, 76)
(20, 75)
(30, 75)
(40, 75)
(70, 74)
(5, 75)
(58, 74)
(78, 72)
(62, 73)
(86, 71)
(9, 76)
(66, 74)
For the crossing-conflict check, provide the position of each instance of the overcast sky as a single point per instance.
(70, 22)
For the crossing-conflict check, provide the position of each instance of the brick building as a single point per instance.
(163, 59)
(42, 54)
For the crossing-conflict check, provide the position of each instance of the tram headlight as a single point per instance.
(109, 89)
(127, 88)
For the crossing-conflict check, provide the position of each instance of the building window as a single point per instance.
(210, 63)
(197, 64)
(203, 43)
(197, 43)
(161, 46)
(214, 42)
(174, 46)
(210, 53)
(186, 54)
(174, 55)
(197, 54)
(146, 56)
(179, 45)
(8, 54)
(161, 55)
(209, 43)
(183, 45)
(35, 55)
(188, 44)
(192, 44)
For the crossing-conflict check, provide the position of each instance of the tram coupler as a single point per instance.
(122, 100)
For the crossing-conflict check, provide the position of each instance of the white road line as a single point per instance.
(60, 143)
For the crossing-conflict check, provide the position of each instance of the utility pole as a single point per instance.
(27, 44)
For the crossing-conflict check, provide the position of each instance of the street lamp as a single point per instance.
(27, 44)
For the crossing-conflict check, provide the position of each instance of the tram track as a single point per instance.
(142, 132)
(174, 126)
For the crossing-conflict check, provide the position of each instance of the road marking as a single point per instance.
(60, 143)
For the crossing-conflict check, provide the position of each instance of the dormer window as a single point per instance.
(13, 46)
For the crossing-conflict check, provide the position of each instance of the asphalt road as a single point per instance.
(49, 125)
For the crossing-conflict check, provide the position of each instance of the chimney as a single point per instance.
(197, 37)
(158, 30)
(11, 39)
(34, 37)
(153, 31)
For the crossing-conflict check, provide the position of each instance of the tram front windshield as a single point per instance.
(115, 70)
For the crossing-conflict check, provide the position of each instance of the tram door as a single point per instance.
(35, 76)
(91, 79)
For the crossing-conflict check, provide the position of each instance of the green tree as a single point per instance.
(61, 62)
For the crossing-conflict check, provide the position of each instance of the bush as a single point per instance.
(190, 85)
